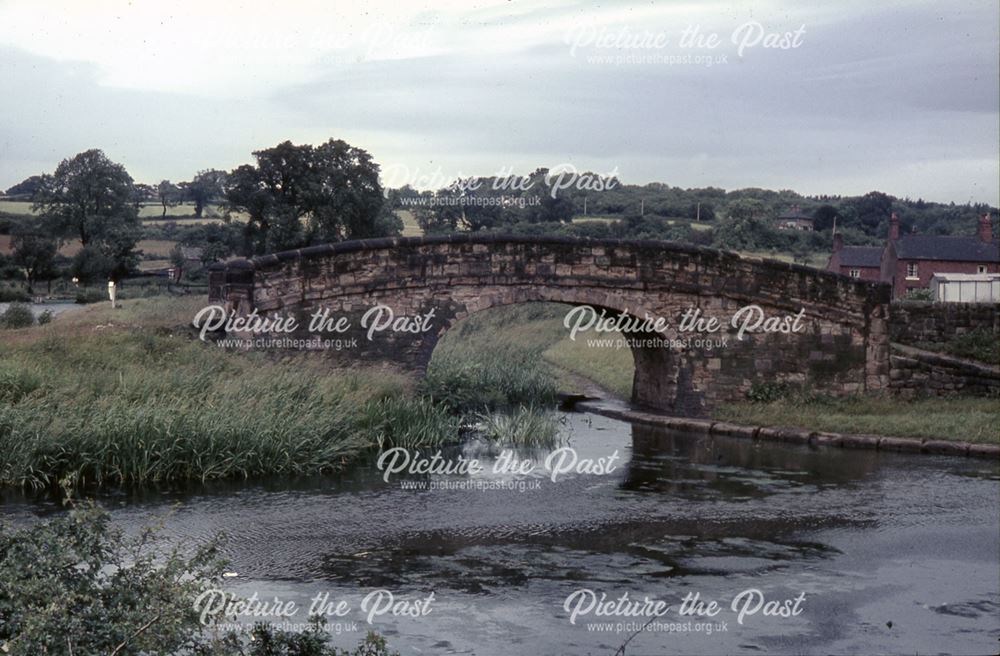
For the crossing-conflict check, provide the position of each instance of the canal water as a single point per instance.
(886, 553)
(56, 308)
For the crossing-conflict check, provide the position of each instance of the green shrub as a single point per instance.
(86, 296)
(768, 392)
(919, 295)
(17, 315)
(980, 344)
(267, 641)
(45, 317)
(78, 585)
(14, 295)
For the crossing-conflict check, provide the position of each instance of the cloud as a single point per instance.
(901, 97)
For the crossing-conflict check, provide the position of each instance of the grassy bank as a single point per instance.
(105, 396)
(966, 419)
(130, 396)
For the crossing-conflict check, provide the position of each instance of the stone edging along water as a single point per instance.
(795, 435)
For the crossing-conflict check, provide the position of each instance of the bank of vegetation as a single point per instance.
(105, 397)
(76, 584)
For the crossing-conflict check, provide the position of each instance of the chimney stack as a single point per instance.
(838, 242)
(893, 227)
(985, 228)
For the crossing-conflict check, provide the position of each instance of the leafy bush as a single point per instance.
(919, 295)
(85, 296)
(980, 344)
(45, 317)
(768, 392)
(266, 641)
(17, 315)
(78, 585)
(14, 294)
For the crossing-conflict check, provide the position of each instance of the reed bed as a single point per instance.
(132, 407)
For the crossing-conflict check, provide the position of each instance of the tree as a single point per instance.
(207, 186)
(825, 217)
(747, 209)
(35, 254)
(93, 199)
(873, 211)
(86, 196)
(301, 194)
(168, 193)
(27, 187)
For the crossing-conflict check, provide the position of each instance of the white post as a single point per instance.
(111, 293)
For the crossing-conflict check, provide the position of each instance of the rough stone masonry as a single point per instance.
(843, 347)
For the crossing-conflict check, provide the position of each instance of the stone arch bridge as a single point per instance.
(840, 343)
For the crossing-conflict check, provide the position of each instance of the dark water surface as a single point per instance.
(869, 538)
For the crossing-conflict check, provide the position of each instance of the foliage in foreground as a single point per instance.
(77, 585)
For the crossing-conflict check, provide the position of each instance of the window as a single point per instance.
(855, 273)
(911, 270)
(981, 268)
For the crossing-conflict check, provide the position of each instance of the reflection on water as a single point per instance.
(869, 537)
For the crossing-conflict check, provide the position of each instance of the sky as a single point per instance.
(823, 98)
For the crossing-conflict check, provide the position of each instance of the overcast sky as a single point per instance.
(897, 96)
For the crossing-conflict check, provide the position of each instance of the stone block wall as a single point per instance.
(843, 348)
(914, 372)
(927, 322)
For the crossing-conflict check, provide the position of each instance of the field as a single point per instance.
(816, 260)
(159, 247)
(410, 226)
(148, 210)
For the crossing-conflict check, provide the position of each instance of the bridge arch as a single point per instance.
(842, 346)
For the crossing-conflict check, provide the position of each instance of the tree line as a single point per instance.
(298, 195)
(291, 196)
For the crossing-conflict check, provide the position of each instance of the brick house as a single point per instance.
(909, 262)
(862, 262)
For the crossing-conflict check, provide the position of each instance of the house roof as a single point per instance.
(954, 249)
(795, 213)
(861, 256)
(966, 277)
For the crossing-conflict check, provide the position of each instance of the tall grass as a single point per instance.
(142, 406)
(409, 423)
(493, 361)
(524, 426)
